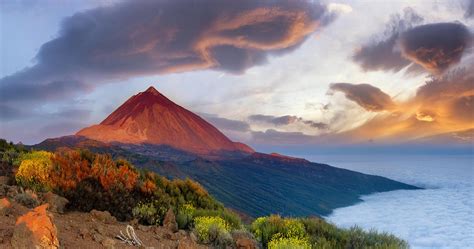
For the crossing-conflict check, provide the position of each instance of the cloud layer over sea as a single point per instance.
(440, 216)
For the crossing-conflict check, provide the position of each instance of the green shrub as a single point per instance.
(289, 243)
(267, 229)
(232, 219)
(151, 213)
(184, 216)
(358, 238)
(208, 229)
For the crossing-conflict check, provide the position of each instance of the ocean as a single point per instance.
(439, 216)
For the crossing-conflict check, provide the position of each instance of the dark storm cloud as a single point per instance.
(285, 120)
(367, 96)
(382, 53)
(8, 113)
(136, 38)
(226, 124)
(436, 46)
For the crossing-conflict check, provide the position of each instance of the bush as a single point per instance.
(153, 212)
(289, 243)
(97, 181)
(232, 219)
(208, 229)
(34, 171)
(185, 216)
(274, 227)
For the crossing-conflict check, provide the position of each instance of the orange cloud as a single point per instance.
(442, 105)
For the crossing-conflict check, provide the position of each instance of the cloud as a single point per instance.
(443, 105)
(383, 53)
(285, 120)
(226, 124)
(367, 96)
(436, 46)
(137, 38)
(271, 136)
(469, 7)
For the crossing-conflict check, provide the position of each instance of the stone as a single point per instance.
(108, 243)
(187, 243)
(244, 240)
(245, 243)
(35, 229)
(56, 203)
(5, 206)
(97, 237)
(171, 236)
(169, 221)
(103, 216)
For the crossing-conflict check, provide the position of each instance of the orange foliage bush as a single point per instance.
(69, 168)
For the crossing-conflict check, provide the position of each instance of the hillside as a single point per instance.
(256, 184)
(147, 210)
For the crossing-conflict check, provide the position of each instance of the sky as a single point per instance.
(267, 73)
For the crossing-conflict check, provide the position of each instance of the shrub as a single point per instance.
(34, 170)
(185, 216)
(230, 218)
(269, 228)
(289, 243)
(147, 213)
(358, 238)
(27, 199)
(208, 228)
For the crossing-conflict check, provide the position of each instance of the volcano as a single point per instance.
(151, 118)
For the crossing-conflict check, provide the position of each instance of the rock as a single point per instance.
(171, 236)
(5, 206)
(245, 243)
(187, 243)
(56, 203)
(169, 221)
(103, 216)
(108, 243)
(100, 229)
(35, 229)
(244, 240)
(97, 237)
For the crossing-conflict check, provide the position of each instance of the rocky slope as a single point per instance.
(31, 221)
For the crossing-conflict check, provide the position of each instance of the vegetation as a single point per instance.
(34, 171)
(277, 232)
(96, 181)
(209, 228)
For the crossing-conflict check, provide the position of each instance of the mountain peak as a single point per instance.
(149, 117)
(153, 90)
